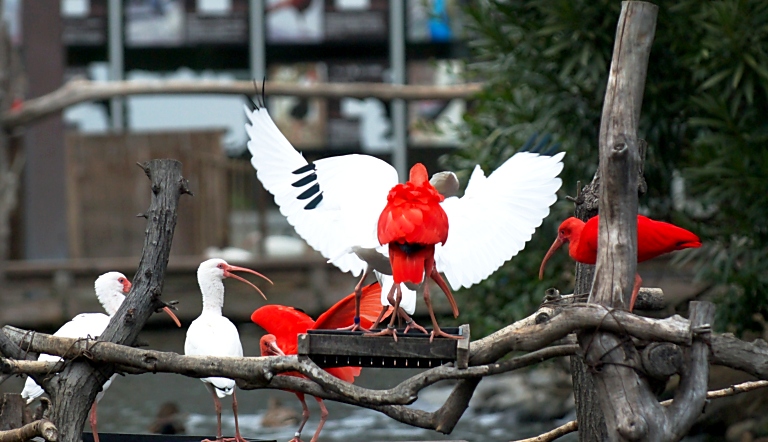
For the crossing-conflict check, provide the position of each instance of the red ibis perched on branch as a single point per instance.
(335, 205)
(654, 238)
(212, 334)
(284, 324)
(110, 289)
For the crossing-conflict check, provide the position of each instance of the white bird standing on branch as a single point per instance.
(111, 289)
(212, 334)
(334, 204)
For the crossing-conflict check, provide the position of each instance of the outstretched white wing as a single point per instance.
(496, 216)
(333, 203)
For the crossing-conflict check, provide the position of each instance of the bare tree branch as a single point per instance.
(572, 426)
(79, 90)
(42, 428)
(551, 435)
(253, 372)
(749, 357)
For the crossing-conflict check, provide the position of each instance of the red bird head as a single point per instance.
(569, 230)
(268, 345)
(418, 175)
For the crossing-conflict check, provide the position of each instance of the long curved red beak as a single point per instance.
(555, 245)
(228, 273)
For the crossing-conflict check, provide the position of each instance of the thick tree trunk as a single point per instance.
(630, 409)
(74, 390)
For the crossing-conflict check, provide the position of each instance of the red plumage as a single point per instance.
(286, 323)
(654, 238)
(412, 223)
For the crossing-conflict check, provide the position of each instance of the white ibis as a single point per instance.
(335, 203)
(110, 289)
(212, 334)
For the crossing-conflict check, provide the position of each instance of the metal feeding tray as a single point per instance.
(339, 348)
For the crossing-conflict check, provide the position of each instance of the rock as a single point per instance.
(541, 394)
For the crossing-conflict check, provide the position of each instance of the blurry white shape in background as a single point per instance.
(168, 112)
(174, 112)
(217, 7)
(374, 124)
(75, 8)
(274, 246)
(353, 4)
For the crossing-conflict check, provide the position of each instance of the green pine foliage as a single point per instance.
(705, 117)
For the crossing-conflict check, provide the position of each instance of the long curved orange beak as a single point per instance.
(228, 274)
(555, 245)
(170, 313)
(127, 288)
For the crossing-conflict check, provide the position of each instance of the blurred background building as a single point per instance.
(80, 192)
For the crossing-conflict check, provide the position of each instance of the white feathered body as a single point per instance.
(334, 204)
(81, 326)
(214, 335)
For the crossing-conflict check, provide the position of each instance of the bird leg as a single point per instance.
(391, 299)
(92, 419)
(435, 275)
(217, 406)
(635, 290)
(438, 279)
(323, 417)
(237, 437)
(381, 315)
(304, 418)
(410, 323)
(358, 294)
(390, 330)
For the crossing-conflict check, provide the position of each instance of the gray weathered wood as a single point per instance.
(661, 360)
(11, 411)
(749, 357)
(691, 393)
(462, 348)
(629, 409)
(41, 428)
(74, 390)
(413, 350)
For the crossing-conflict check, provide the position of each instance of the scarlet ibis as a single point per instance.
(412, 223)
(654, 238)
(110, 289)
(284, 324)
(335, 203)
(212, 334)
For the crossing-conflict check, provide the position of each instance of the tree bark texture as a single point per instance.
(42, 428)
(630, 408)
(74, 390)
(618, 387)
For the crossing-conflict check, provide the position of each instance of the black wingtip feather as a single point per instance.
(304, 169)
(309, 193)
(306, 180)
(312, 204)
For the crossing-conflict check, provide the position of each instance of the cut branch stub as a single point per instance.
(662, 359)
